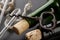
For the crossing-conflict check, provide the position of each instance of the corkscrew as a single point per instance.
(40, 19)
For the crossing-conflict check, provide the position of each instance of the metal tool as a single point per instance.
(16, 12)
(3, 10)
(8, 4)
(27, 7)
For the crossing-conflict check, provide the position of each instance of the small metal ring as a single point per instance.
(53, 20)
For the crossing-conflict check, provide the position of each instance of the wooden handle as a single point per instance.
(34, 35)
(21, 26)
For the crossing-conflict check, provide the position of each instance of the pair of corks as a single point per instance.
(22, 26)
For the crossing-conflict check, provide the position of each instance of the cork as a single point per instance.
(34, 35)
(21, 26)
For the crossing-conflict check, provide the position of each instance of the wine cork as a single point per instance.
(34, 35)
(21, 26)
